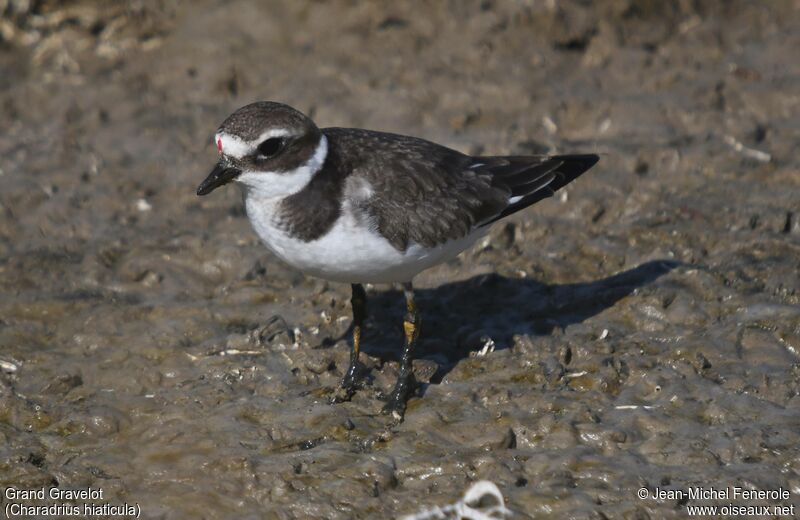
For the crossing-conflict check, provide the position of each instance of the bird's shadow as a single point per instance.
(458, 317)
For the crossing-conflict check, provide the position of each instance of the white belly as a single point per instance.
(350, 252)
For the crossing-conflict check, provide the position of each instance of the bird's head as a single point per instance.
(270, 148)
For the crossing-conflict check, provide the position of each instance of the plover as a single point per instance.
(360, 206)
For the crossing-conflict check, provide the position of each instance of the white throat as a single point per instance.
(268, 185)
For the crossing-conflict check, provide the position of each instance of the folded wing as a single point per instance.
(530, 179)
(424, 193)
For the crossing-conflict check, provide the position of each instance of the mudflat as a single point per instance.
(640, 330)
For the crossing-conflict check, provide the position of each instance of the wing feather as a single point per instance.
(428, 194)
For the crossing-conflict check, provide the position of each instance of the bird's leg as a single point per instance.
(405, 379)
(348, 386)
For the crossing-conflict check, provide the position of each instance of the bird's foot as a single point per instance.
(346, 390)
(397, 400)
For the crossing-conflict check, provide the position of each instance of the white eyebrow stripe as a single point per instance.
(237, 148)
(232, 145)
(273, 132)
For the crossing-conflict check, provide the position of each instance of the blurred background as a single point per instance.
(640, 329)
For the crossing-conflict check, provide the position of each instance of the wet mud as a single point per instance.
(640, 329)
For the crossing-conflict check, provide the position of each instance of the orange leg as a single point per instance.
(406, 384)
(349, 382)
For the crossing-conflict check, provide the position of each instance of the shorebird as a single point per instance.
(361, 206)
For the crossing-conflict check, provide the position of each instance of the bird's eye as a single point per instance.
(270, 147)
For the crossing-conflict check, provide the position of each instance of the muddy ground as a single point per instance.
(640, 330)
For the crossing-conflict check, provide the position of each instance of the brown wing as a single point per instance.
(428, 194)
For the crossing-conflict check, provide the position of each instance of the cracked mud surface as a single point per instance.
(641, 330)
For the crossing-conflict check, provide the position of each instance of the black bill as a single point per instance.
(220, 175)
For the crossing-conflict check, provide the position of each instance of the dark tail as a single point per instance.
(532, 178)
